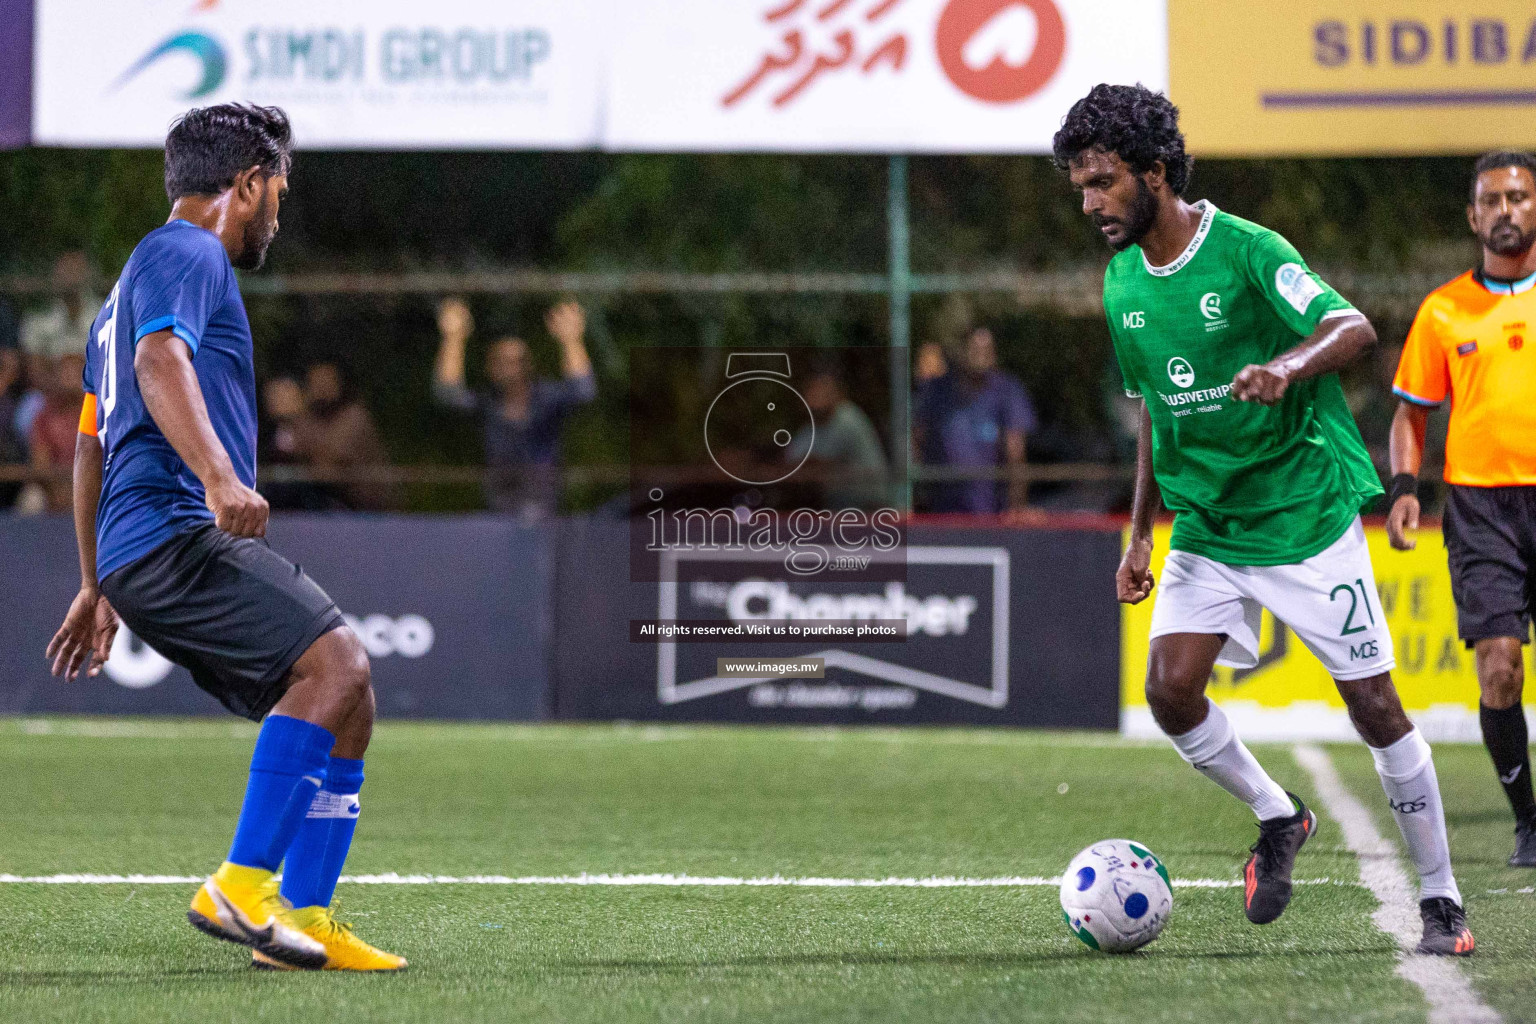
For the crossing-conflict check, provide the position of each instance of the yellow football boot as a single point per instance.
(344, 951)
(241, 904)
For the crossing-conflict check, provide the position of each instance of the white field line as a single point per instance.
(932, 882)
(1451, 998)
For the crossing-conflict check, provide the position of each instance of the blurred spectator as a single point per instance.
(29, 401)
(61, 327)
(335, 433)
(522, 415)
(846, 451)
(283, 411)
(929, 364)
(54, 429)
(974, 416)
(13, 446)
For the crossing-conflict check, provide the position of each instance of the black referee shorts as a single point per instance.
(1490, 536)
(230, 610)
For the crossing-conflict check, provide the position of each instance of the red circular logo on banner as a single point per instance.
(979, 44)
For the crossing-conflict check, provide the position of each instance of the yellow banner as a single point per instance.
(1337, 77)
(1435, 674)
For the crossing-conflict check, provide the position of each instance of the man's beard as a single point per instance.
(1505, 239)
(1139, 218)
(258, 236)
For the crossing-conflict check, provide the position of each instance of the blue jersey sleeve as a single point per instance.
(179, 283)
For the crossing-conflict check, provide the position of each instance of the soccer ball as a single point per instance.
(1115, 896)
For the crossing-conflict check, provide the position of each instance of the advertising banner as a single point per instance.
(1342, 77)
(983, 76)
(453, 613)
(1289, 695)
(381, 73)
(820, 75)
(995, 627)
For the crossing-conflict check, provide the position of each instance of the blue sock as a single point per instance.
(286, 769)
(320, 849)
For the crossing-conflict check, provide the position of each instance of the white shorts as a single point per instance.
(1329, 601)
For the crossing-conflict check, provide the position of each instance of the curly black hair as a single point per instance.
(1497, 162)
(1132, 121)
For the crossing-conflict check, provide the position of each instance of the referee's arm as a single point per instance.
(1406, 448)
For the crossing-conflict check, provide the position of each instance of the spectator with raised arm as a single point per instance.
(522, 415)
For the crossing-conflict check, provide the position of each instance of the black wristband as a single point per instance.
(1402, 484)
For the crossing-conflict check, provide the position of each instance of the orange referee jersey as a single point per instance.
(1474, 342)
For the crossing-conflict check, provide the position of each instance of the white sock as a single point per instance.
(1216, 752)
(1407, 772)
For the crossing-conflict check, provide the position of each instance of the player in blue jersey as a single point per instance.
(170, 526)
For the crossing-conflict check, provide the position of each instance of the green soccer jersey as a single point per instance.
(1249, 484)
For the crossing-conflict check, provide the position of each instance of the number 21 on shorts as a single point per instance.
(1356, 599)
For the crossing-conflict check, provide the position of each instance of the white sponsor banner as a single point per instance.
(351, 73)
(814, 75)
(870, 75)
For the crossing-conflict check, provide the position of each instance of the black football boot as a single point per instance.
(1267, 875)
(1445, 928)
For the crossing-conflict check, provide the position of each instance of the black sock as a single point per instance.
(1504, 734)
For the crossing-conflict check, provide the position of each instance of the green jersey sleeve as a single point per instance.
(1300, 298)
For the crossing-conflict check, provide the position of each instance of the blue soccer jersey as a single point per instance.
(179, 278)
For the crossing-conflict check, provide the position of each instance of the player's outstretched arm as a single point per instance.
(1133, 580)
(163, 365)
(85, 639)
(1406, 448)
(1337, 342)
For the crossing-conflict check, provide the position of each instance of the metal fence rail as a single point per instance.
(1074, 292)
(619, 475)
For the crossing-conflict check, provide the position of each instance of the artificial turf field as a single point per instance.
(159, 797)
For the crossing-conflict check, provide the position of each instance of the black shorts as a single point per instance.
(230, 610)
(1490, 537)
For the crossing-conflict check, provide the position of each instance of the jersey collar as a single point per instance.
(1207, 215)
(1525, 284)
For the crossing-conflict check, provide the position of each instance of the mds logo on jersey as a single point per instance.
(1133, 320)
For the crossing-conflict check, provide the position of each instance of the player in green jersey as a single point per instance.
(1233, 344)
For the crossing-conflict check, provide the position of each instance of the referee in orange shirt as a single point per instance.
(1468, 344)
